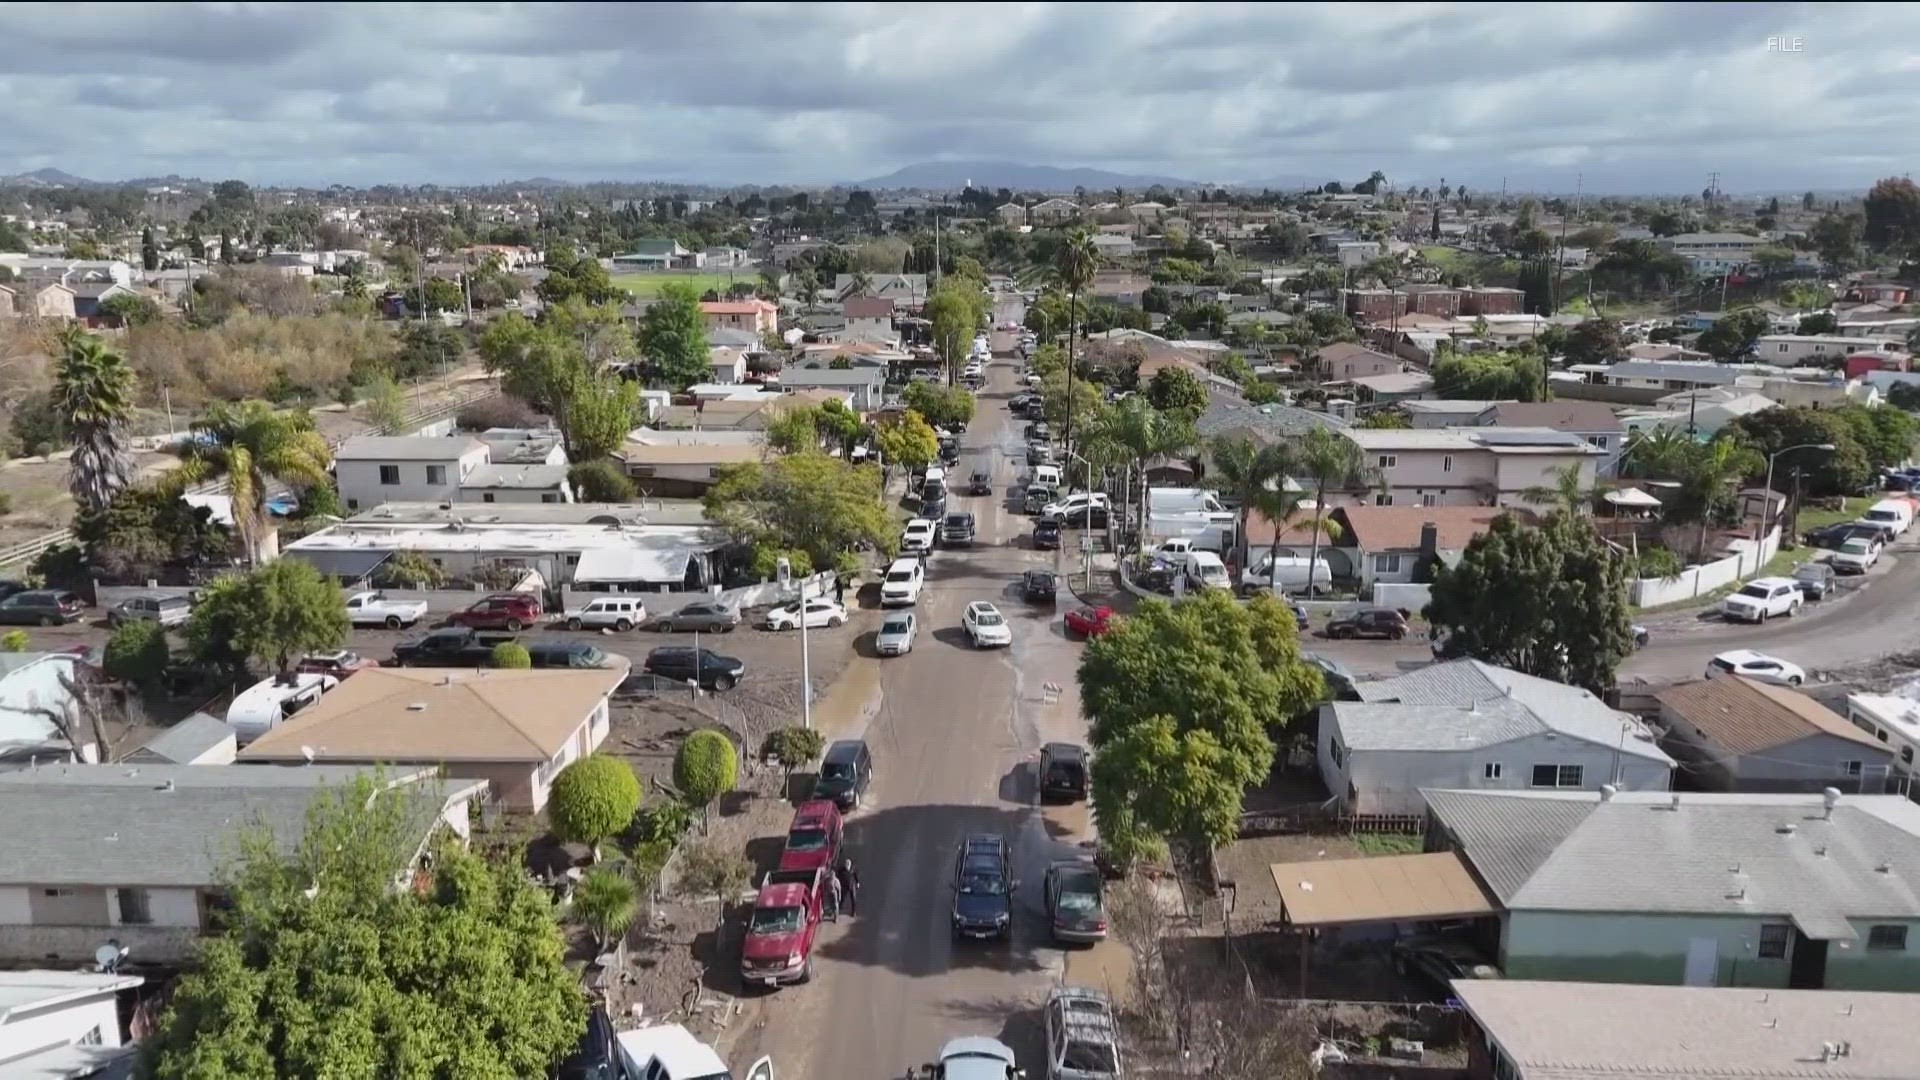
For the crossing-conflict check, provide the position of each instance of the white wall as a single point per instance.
(14, 907)
(361, 489)
(1697, 580)
(73, 1022)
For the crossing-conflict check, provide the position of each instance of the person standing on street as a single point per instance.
(833, 898)
(848, 883)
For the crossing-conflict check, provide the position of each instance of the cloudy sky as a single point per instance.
(1630, 97)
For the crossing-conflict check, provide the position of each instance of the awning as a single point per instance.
(664, 567)
(1632, 497)
(349, 565)
(1824, 926)
(1392, 888)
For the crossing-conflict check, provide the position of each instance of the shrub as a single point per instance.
(137, 652)
(593, 798)
(708, 869)
(705, 767)
(511, 655)
(600, 482)
(793, 747)
(499, 576)
(15, 641)
(409, 570)
(605, 903)
(502, 411)
(6, 503)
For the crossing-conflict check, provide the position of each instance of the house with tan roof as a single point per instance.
(685, 463)
(752, 314)
(515, 729)
(1735, 734)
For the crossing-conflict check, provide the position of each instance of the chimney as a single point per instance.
(1607, 792)
(1429, 540)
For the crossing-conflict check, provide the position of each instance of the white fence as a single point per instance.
(1697, 581)
(765, 594)
(1402, 595)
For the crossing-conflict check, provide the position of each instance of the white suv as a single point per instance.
(1761, 599)
(919, 535)
(1075, 504)
(608, 612)
(903, 582)
(986, 626)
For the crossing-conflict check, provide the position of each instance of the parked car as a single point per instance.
(1814, 580)
(918, 536)
(813, 837)
(1089, 622)
(40, 607)
(986, 627)
(575, 655)
(1075, 899)
(896, 634)
(642, 685)
(1761, 599)
(1832, 536)
(901, 587)
(972, 1057)
(1438, 962)
(451, 646)
(9, 586)
(820, 612)
(983, 888)
(1039, 585)
(1083, 1041)
(704, 666)
(340, 664)
(1300, 616)
(782, 929)
(379, 609)
(1373, 622)
(701, 616)
(597, 1055)
(621, 613)
(958, 530)
(501, 611)
(1063, 772)
(1339, 680)
(1078, 507)
(153, 607)
(1856, 556)
(845, 771)
(1756, 665)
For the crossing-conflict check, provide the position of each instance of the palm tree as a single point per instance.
(861, 284)
(806, 282)
(1658, 452)
(249, 443)
(606, 902)
(1073, 266)
(1255, 476)
(1140, 433)
(1330, 460)
(1707, 476)
(1569, 491)
(93, 397)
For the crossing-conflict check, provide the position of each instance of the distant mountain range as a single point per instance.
(954, 175)
(46, 178)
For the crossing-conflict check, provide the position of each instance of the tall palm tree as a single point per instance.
(1074, 263)
(1707, 477)
(1255, 476)
(1331, 461)
(1569, 491)
(1658, 453)
(250, 444)
(861, 285)
(93, 396)
(1140, 433)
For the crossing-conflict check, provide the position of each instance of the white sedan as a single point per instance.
(919, 535)
(985, 626)
(1757, 666)
(820, 613)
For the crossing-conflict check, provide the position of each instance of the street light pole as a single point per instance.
(806, 667)
(1766, 513)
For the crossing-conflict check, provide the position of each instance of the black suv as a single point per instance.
(1039, 584)
(980, 483)
(983, 889)
(1063, 772)
(1374, 622)
(1046, 535)
(709, 668)
(845, 771)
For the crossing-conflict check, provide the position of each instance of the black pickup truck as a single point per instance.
(453, 646)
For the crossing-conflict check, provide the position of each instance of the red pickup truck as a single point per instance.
(501, 611)
(813, 839)
(785, 923)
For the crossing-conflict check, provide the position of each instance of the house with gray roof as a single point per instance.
(1470, 725)
(137, 853)
(1807, 891)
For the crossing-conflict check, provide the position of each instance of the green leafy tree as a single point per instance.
(1885, 436)
(1496, 376)
(1334, 463)
(1595, 341)
(606, 902)
(592, 799)
(1549, 601)
(1071, 271)
(571, 276)
(130, 309)
(1904, 396)
(705, 768)
(1183, 702)
(793, 430)
(1733, 336)
(954, 311)
(386, 403)
(444, 295)
(822, 505)
(321, 967)
(249, 443)
(510, 655)
(1836, 239)
(1175, 390)
(673, 336)
(411, 570)
(908, 442)
(603, 410)
(793, 747)
(551, 366)
(275, 613)
(1892, 212)
(1820, 322)
(137, 652)
(145, 530)
(709, 868)
(600, 482)
(942, 406)
(92, 401)
(426, 349)
(1840, 471)
(1138, 433)
(1707, 474)
(1391, 419)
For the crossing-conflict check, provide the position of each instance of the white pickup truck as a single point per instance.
(375, 609)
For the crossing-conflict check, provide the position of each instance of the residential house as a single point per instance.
(1012, 215)
(905, 290)
(1701, 889)
(1894, 721)
(1593, 421)
(1664, 350)
(57, 1024)
(1671, 375)
(1731, 249)
(45, 299)
(869, 314)
(658, 255)
(523, 446)
(785, 252)
(1111, 246)
(200, 739)
(1735, 734)
(1469, 725)
(1356, 253)
(726, 258)
(1490, 300)
(89, 295)
(865, 386)
(679, 464)
(1118, 287)
(1228, 413)
(1526, 1029)
(1388, 543)
(1468, 466)
(375, 469)
(1053, 211)
(1446, 413)
(94, 853)
(1394, 387)
(729, 365)
(1375, 305)
(753, 314)
(1790, 350)
(740, 413)
(513, 729)
(37, 705)
(1343, 361)
(505, 483)
(1432, 300)
(68, 271)
(1702, 412)
(907, 204)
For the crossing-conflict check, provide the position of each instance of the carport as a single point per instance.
(1334, 893)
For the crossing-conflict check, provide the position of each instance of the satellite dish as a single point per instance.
(307, 752)
(108, 956)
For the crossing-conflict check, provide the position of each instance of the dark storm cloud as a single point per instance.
(1630, 96)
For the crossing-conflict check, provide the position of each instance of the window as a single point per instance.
(1446, 463)
(389, 474)
(1339, 754)
(1492, 770)
(1387, 461)
(1887, 938)
(353, 504)
(1598, 440)
(1383, 499)
(1566, 776)
(134, 907)
(1785, 347)
(1429, 500)
(1773, 940)
(549, 497)
(1853, 768)
(486, 496)
(1386, 564)
(436, 474)
(642, 472)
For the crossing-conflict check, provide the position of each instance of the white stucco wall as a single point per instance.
(14, 908)
(70, 1023)
(361, 489)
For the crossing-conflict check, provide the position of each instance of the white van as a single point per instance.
(1289, 574)
(1204, 570)
(1894, 512)
(260, 707)
(1045, 476)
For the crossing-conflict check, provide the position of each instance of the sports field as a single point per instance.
(648, 284)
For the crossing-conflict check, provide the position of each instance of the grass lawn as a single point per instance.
(1813, 519)
(648, 285)
(1377, 844)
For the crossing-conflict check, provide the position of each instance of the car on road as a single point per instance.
(783, 927)
(1832, 536)
(450, 646)
(152, 607)
(983, 888)
(340, 663)
(1814, 580)
(575, 655)
(1046, 535)
(820, 612)
(1076, 901)
(1083, 1040)
(379, 609)
(901, 586)
(958, 530)
(643, 685)
(1039, 586)
(1761, 599)
(704, 666)
(1076, 506)
(918, 536)
(701, 616)
(980, 483)
(1856, 556)
(972, 1057)
(986, 627)
(813, 837)
(1756, 665)
(1437, 962)
(40, 607)
(845, 771)
(1373, 622)
(896, 634)
(621, 613)
(1089, 622)
(501, 611)
(1063, 772)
